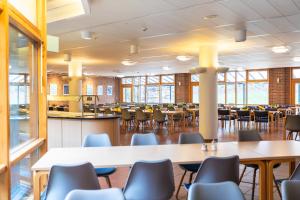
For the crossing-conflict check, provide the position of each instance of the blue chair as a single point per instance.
(189, 138)
(100, 140)
(63, 179)
(143, 139)
(215, 191)
(290, 190)
(150, 180)
(105, 194)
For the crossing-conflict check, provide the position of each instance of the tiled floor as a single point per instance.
(167, 137)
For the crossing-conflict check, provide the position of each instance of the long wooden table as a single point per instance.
(264, 153)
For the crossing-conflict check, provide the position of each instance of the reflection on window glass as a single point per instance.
(297, 93)
(127, 94)
(136, 80)
(168, 79)
(258, 93)
(221, 77)
(23, 102)
(142, 95)
(240, 76)
(230, 77)
(195, 94)
(296, 73)
(258, 75)
(221, 93)
(195, 78)
(126, 80)
(21, 177)
(230, 96)
(152, 94)
(241, 93)
(168, 94)
(89, 89)
(136, 94)
(153, 79)
(143, 80)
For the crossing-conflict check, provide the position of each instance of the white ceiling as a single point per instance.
(177, 27)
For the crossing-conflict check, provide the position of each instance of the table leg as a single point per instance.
(37, 184)
(292, 166)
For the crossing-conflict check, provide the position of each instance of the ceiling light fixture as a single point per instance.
(120, 76)
(210, 17)
(280, 49)
(296, 59)
(87, 35)
(166, 68)
(184, 58)
(128, 62)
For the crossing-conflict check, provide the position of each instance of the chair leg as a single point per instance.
(277, 187)
(191, 178)
(241, 177)
(253, 184)
(108, 181)
(180, 183)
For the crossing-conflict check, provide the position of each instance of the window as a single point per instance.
(296, 73)
(168, 79)
(53, 89)
(196, 93)
(221, 77)
(258, 93)
(152, 79)
(241, 93)
(258, 75)
(297, 93)
(168, 94)
(152, 94)
(127, 94)
(230, 88)
(89, 89)
(66, 89)
(23, 97)
(100, 90)
(126, 80)
(221, 93)
(195, 78)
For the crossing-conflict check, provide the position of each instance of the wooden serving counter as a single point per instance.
(66, 129)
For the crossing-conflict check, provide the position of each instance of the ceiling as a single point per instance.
(176, 27)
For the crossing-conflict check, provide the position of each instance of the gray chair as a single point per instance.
(105, 194)
(63, 179)
(296, 174)
(143, 139)
(247, 136)
(189, 138)
(292, 124)
(150, 180)
(215, 191)
(290, 190)
(100, 140)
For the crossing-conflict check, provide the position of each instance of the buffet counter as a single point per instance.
(68, 129)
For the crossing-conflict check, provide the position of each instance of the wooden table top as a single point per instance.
(123, 156)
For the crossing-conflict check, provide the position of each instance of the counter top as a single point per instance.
(78, 115)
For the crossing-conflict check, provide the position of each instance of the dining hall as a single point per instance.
(150, 100)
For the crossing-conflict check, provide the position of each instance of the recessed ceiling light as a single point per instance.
(280, 49)
(184, 58)
(166, 68)
(128, 62)
(210, 17)
(296, 59)
(120, 76)
(87, 35)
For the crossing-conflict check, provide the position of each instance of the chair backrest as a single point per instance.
(259, 113)
(140, 115)
(104, 194)
(211, 172)
(243, 113)
(63, 179)
(223, 112)
(97, 140)
(157, 115)
(150, 180)
(292, 122)
(290, 190)
(296, 174)
(249, 135)
(143, 139)
(215, 191)
(126, 114)
(190, 138)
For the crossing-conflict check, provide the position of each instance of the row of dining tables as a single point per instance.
(263, 153)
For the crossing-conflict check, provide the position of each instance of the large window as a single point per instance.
(23, 101)
(258, 87)
(195, 78)
(150, 89)
(230, 88)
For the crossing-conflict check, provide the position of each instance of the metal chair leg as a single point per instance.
(277, 187)
(241, 177)
(253, 184)
(180, 183)
(108, 181)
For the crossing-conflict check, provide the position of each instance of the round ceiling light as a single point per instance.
(166, 68)
(280, 49)
(128, 62)
(184, 58)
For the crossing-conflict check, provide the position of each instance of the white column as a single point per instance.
(208, 117)
(75, 85)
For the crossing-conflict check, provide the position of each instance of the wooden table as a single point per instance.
(264, 153)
